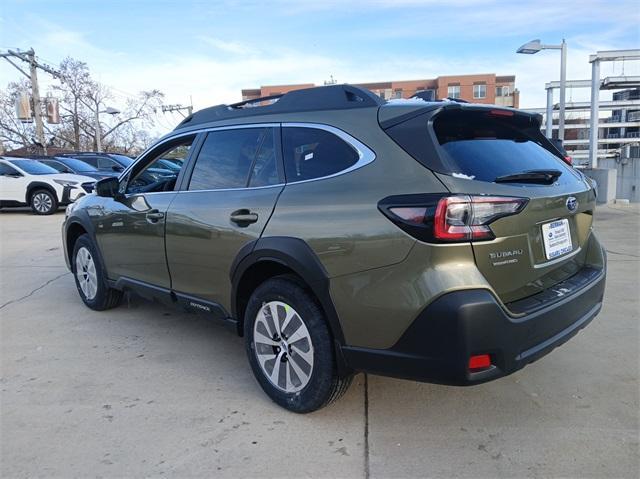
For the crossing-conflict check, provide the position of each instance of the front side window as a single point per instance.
(453, 91)
(236, 159)
(90, 161)
(108, 164)
(58, 166)
(148, 178)
(76, 165)
(479, 91)
(313, 153)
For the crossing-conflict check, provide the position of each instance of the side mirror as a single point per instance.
(108, 187)
(117, 168)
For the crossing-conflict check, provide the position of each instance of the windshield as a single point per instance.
(122, 159)
(34, 167)
(481, 147)
(78, 165)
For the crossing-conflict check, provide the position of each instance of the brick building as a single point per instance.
(480, 88)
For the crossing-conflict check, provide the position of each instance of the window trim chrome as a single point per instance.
(365, 154)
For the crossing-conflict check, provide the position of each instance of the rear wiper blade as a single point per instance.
(530, 176)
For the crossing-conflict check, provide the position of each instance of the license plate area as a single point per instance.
(556, 236)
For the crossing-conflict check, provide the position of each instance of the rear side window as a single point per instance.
(479, 146)
(313, 153)
(236, 159)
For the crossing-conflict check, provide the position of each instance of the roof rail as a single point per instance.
(331, 97)
(242, 104)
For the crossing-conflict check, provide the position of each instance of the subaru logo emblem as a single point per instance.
(572, 203)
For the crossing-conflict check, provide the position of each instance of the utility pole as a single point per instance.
(30, 58)
(35, 93)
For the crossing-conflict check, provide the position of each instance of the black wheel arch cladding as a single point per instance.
(296, 255)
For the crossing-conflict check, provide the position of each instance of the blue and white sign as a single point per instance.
(557, 238)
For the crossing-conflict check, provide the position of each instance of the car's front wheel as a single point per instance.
(290, 347)
(88, 272)
(43, 202)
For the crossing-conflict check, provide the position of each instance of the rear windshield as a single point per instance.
(477, 145)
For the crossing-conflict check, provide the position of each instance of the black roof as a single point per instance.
(332, 97)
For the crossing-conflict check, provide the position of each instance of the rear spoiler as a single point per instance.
(388, 120)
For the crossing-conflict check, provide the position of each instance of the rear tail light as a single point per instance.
(568, 160)
(450, 218)
(465, 218)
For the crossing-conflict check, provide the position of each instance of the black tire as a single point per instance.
(105, 297)
(324, 385)
(43, 202)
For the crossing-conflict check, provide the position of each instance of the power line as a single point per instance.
(179, 108)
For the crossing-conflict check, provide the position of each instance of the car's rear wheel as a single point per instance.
(43, 202)
(290, 347)
(88, 272)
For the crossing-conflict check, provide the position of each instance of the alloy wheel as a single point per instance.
(283, 346)
(86, 273)
(42, 202)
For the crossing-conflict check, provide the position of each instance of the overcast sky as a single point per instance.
(210, 50)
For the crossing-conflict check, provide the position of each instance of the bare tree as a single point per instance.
(74, 84)
(141, 108)
(81, 99)
(13, 132)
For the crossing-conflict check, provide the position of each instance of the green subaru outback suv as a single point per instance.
(433, 241)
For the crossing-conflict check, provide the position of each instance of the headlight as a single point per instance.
(66, 183)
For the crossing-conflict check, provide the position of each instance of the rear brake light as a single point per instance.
(466, 218)
(500, 113)
(479, 362)
(436, 218)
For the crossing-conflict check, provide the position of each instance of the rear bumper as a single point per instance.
(437, 346)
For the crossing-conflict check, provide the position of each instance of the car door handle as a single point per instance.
(243, 217)
(154, 215)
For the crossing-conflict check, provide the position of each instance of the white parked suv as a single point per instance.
(25, 182)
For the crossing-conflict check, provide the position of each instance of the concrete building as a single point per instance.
(626, 117)
(480, 88)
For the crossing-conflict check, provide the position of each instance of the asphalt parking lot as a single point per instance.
(144, 390)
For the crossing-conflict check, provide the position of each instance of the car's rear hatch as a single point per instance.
(475, 152)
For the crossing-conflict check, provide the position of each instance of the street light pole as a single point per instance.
(563, 81)
(534, 46)
(109, 110)
(98, 134)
